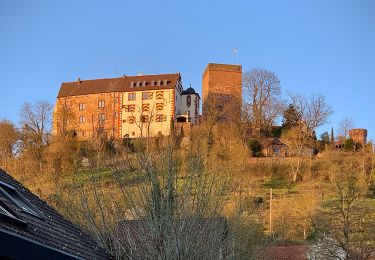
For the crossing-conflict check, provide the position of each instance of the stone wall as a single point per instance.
(359, 135)
(87, 115)
(222, 90)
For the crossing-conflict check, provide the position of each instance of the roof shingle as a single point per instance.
(53, 230)
(122, 84)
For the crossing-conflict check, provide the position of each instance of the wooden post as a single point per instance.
(270, 212)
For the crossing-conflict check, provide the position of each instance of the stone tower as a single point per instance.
(222, 91)
(359, 135)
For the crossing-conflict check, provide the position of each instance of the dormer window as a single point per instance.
(165, 82)
(138, 83)
(152, 83)
(144, 83)
(159, 82)
(9, 216)
(19, 200)
(132, 84)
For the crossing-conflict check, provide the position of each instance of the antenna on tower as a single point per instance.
(115, 71)
(235, 54)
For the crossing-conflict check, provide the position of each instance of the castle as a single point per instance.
(359, 135)
(143, 105)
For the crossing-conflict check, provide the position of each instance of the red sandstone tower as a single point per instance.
(359, 135)
(222, 91)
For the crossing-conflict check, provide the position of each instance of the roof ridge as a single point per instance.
(123, 77)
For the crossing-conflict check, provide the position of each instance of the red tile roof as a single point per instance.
(122, 84)
(292, 252)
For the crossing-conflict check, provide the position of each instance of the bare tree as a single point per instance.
(8, 138)
(313, 110)
(346, 222)
(36, 119)
(63, 115)
(174, 209)
(262, 101)
(344, 126)
(298, 141)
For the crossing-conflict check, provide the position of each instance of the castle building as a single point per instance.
(222, 91)
(190, 101)
(359, 135)
(128, 106)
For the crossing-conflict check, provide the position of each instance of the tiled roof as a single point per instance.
(122, 84)
(289, 252)
(52, 231)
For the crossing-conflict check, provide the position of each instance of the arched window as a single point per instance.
(188, 101)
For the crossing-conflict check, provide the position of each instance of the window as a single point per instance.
(101, 103)
(8, 215)
(159, 94)
(6, 212)
(130, 108)
(83, 133)
(19, 200)
(101, 118)
(82, 119)
(145, 107)
(146, 95)
(188, 101)
(82, 106)
(159, 106)
(131, 96)
(133, 133)
(144, 119)
(160, 118)
(131, 119)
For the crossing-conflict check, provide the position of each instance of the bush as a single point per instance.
(255, 147)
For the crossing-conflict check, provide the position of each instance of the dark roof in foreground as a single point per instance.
(42, 233)
(121, 84)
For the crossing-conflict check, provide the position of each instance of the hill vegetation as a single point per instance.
(213, 192)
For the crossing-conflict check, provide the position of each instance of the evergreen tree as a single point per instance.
(325, 137)
(291, 117)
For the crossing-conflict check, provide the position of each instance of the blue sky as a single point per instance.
(322, 46)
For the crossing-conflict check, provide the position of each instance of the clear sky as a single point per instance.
(322, 46)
